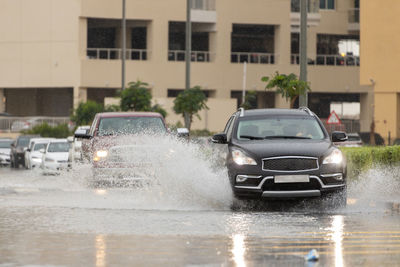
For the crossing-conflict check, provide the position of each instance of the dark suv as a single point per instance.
(283, 153)
(17, 153)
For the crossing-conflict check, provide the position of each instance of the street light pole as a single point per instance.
(123, 57)
(188, 55)
(303, 99)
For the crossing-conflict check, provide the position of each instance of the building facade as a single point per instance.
(57, 53)
(380, 56)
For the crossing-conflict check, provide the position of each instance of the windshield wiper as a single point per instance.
(252, 137)
(286, 137)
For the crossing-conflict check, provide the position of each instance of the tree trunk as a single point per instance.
(188, 120)
(292, 101)
(372, 134)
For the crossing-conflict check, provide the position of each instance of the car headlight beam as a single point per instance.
(241, 159)
(101, 154)
(336, 157)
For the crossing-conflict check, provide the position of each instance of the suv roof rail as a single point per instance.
(241, 112)
(307, 110)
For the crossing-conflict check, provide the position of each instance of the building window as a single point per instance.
(103, 41)
(338, 50)
(327, 4)
(176, 92)
(177, 43)
(253, 44)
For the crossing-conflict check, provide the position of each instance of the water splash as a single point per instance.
(372, 190)
(188, 176)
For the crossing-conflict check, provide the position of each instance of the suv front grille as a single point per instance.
(290, 164)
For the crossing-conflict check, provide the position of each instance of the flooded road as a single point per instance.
(59, 221)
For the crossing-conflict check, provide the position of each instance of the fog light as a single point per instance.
(338, 177)
(241, 178)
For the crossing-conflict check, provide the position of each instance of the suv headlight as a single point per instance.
(336, 157)
(101, 154)
(241, 159)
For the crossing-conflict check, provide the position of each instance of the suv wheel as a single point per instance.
(336, 200)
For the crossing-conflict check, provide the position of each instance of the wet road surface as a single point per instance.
(59, 221)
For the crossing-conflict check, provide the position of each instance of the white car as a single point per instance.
(5, 148)
(33, 156)
(56, 156)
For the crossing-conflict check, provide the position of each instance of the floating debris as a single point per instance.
(312, 255)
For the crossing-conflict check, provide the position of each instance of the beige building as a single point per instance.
(380, 56)
(57, 53)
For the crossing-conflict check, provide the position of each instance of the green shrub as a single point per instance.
(45, 130)
(85, 112)
(360, 159)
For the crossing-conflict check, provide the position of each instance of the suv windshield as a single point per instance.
(23, 141)
(58, 147)
(39, 146)
(296, 127)
(130, 125)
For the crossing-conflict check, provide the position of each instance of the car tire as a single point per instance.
(336, 200)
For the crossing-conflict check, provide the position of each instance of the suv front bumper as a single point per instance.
(265, 187)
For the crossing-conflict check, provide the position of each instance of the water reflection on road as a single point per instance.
(57, 220)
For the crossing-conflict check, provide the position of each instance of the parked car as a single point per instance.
(33, 156)
(354, 140)
(283, 153)
(56, 156)
(114, 161)
(81, 146)
(365, 137)
(18, 147)
(5, 149)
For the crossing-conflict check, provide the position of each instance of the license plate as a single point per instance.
(280, 179)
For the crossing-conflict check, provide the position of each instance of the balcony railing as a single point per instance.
(207, 5)
(354, 15)
(253, 57)
(116, 53)
(197, 56)
(313, 6)
(328, 60)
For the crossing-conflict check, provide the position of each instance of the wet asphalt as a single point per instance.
(59, 221)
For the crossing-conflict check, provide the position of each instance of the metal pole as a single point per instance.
(303, 99)
(244, 81)
(188, 54)
(123, 44)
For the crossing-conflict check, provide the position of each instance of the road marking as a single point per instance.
(365, 232)
(377, 241)
(325, 246)
(328, 236)
(349, 252)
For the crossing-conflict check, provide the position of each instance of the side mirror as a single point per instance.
(220, 138)
(42, 150)
(182, 132)
(339, 137)
(82, 134)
